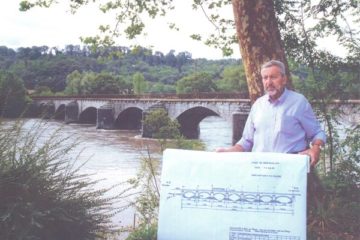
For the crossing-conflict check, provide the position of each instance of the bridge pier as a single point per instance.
(145, 133)
(105, 117)
(238, 125)
(47, 110)
(190, 130)
(72, 112)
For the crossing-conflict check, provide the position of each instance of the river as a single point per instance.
(113, 156)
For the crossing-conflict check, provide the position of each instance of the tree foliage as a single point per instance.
(158, 124)
(95, 83)
(74, 68)
(301, 24)
(233, 80)
(195, 83)
(139, 83)
(335, 215)
(13, 97)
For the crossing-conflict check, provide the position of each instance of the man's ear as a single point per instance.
(285, 80)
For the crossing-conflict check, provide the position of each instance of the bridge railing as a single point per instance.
(200, 95)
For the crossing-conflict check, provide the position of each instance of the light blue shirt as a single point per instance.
(285, 125)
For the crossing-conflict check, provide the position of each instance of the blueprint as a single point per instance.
(233, 196)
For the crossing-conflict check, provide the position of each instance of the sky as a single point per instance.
(57, 27)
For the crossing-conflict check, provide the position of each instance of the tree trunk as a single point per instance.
(259, 39)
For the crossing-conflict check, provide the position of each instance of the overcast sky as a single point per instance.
(57, 27)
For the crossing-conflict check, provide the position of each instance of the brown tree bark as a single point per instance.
(259, 39)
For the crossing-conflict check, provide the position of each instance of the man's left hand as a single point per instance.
(314, 154)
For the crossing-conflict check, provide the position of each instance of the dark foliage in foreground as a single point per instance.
(42, 196)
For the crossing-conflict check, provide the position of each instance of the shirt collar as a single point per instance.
(281, 99)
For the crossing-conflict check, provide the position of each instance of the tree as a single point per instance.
(233, 79)
(182, 59)
(12, 95)
(195, 83)
(94, 83)
(139, 83)
(170, 58)
(43, 91)
(259, 39)
(106, 83)
(73, 83)
(7, 57)
(161, 88)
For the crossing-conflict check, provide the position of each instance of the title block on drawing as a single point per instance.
(233, 196)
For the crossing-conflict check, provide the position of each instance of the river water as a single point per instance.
(113, 156)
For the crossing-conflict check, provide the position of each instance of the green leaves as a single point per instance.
(158, 124)
(139, 83)
(233, 80)
(27, 5)
(13, 98)
(197, 82)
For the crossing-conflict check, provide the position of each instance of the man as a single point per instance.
(281, 120)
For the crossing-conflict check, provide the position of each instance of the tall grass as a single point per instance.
(42, 195)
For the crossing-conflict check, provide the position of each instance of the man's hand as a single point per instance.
(313, 153)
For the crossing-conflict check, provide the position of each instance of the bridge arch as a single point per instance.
(89, 115)
(129, 119)
(190, 119)
(60, 112)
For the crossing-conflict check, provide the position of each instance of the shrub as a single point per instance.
(144, 232)
(42, 195)
(335, 215)
(157, 124)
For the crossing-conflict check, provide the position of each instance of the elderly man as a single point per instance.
(281, 120)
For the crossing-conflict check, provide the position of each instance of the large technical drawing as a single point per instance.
(232, 196)
(235, 200)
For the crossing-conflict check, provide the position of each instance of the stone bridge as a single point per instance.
(128, 113)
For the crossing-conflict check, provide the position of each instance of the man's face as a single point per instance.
(274, 82)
